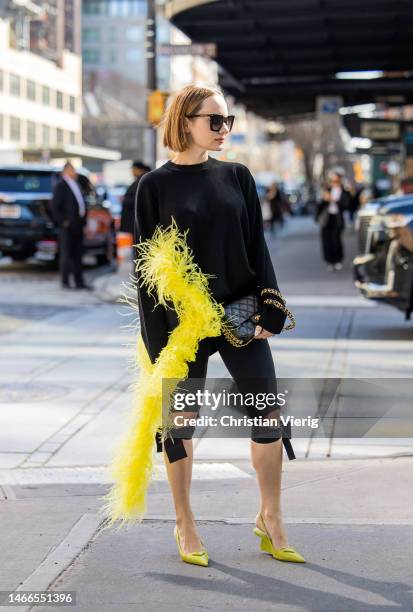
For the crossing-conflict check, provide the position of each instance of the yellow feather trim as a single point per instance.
(165, 266)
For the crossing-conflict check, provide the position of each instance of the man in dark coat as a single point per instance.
(127, 220)
(69, 211)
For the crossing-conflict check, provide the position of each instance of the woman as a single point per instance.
(218, 203)
(331, 219)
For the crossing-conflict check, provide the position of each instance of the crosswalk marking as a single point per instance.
(99, 474)
(330, 301)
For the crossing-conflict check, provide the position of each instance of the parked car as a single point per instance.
(383, 269)
(27, 225)
(112, 197)
(299, 205)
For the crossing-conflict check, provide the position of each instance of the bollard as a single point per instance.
(124, 243)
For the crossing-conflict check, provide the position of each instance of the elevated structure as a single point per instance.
(279, 55)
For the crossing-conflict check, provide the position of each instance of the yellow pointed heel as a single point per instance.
(287, 553)
(196, 558)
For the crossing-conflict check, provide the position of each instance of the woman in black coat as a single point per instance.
(330, 217)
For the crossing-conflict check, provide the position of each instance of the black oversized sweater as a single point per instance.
(218, 202)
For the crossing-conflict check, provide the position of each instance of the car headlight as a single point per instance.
(397, 220)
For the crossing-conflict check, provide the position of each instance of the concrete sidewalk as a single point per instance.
(351, 519)
(111, 287)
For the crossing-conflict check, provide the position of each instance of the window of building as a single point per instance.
(103, 7)
(133, 55)
(125, 8)
(89, 7)
(113, 56)
(31, 90)
(15, 129)
(90, 35)
(138, 7)
(1, 80)
(115, 8)
(59, 99)
(72, 104)
(1, 126)
(59, 136)
(15, 83)
(96, 7)
(46, 95)
(72, 137)
(112, 34)
(45, 135)
(31, 133)
(91, 56)
(134, 34)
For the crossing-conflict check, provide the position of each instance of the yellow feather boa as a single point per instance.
(165, 265)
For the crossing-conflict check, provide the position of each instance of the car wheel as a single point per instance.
(108, 256)
(20, 256)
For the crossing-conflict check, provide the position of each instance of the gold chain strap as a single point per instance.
(285, 310)
(232, 339)
(275, 292)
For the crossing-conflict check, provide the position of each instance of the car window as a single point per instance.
(26, 182)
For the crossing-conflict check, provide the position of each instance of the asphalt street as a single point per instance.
(65, 376)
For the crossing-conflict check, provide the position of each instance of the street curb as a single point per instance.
(110, 287)
(107, 288)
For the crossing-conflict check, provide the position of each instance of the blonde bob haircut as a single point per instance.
(185, 102)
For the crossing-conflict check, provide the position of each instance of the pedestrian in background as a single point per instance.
(355, 199)
(127, 220)
(279, 205)
(330, 217)
(69, 211)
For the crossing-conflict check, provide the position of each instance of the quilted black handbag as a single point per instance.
(242, 316)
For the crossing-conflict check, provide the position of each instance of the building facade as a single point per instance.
(40, 99)
(114, 74)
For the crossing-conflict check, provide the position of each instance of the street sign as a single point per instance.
(205, 49)
(329, 105)
(386, 148)
(380, 130)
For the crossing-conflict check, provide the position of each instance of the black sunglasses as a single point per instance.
(217, 121)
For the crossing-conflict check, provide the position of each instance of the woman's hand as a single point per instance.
(262, 333)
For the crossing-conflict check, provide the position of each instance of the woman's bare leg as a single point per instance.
(180, 477)
(267, 462)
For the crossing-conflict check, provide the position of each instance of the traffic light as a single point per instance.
(156, 106)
